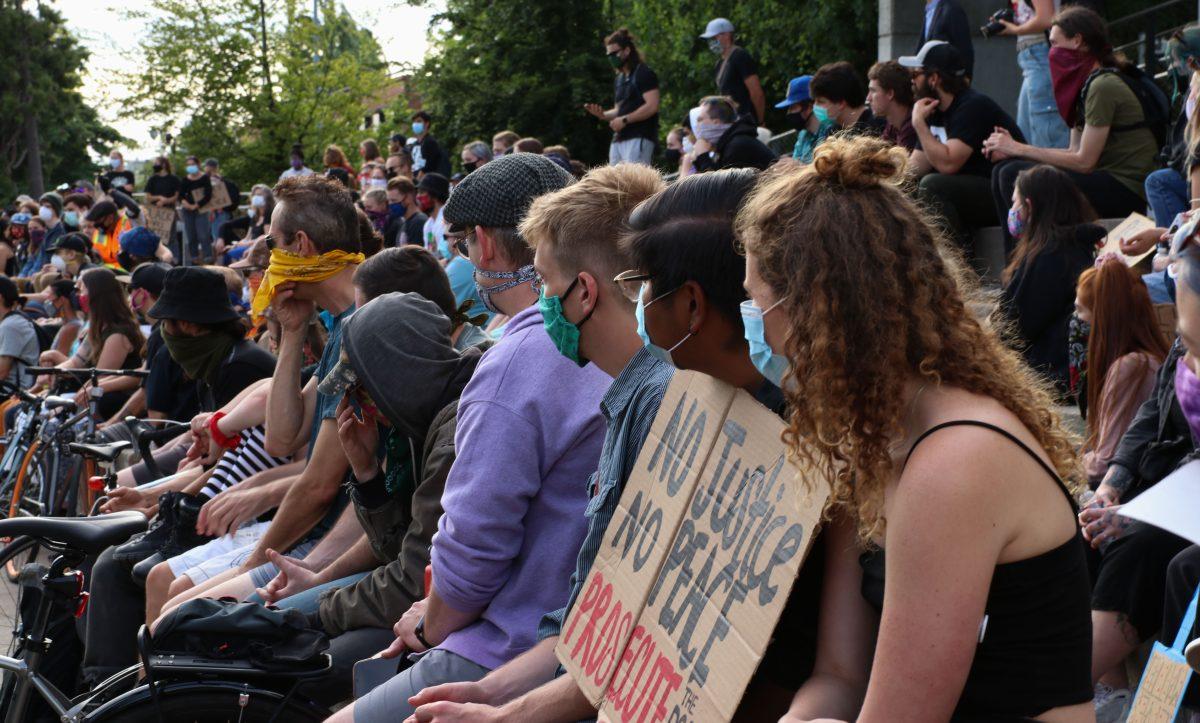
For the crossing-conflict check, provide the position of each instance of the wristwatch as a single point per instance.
(419, 631)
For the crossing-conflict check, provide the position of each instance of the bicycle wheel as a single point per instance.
(25, 550)
(26, 500)
(209, 702)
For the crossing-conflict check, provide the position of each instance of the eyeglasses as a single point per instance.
(270, 241)
(459, 242)
(631, 282)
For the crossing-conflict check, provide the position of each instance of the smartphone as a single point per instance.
(371, 673)
(1176, 223)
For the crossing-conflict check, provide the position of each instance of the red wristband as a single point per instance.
(218, 437)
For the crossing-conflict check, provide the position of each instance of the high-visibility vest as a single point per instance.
(107, 246)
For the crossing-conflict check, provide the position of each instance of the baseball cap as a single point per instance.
(435, 184)
(149, 276)
(797, 92)
(72, 242)
(715, 27)
(938, 56)
(100, 210)
(498, 193)
(20, 219)
(139, 241)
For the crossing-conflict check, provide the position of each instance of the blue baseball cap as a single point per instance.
(797, 92)
(139, 241)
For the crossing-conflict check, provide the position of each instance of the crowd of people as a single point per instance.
(391, 369)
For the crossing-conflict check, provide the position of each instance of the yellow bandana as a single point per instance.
(287, 267)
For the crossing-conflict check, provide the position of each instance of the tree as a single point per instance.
(46, 129)
(244, 80)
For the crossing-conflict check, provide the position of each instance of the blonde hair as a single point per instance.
(871, 304)
(584, 222)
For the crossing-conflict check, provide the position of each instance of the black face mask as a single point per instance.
(796, 119)
(672, 156)
(390, 173)
(158, 168)
(468, 167)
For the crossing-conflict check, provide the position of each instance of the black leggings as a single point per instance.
(1108, 196)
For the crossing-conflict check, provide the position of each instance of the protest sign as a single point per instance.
(1165, 679)
(1130, 227)
(160, 220)
(220, 195)
(697, 562)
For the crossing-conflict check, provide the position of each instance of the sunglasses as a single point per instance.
(631, 282)
(459, 242)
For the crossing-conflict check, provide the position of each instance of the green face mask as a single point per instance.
(822, 113)
(199, 356)
(563, 332)
(614, 59)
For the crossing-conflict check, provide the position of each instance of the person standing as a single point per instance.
(195, 193)
(1037, 113)
(427, 153)
(946, 20)
(162, 188)
(219, 216)
(634, 115)
(117, 176)
(296, 165)
(737, 71)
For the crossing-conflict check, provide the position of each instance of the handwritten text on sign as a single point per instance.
(696, 564)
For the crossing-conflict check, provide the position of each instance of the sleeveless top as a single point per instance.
(1035, 646)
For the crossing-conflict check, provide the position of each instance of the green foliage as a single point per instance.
(67, 126)
(530, 65)
(206, 73)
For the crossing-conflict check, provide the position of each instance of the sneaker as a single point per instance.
(1112, 704)
(144, 544)
(183, 535)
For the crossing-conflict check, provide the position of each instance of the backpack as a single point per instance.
(1156, 108)
(44, 338)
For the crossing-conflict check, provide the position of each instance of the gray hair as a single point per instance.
(480, 150)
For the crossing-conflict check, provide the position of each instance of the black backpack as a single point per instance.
(225, 629)
(1156, 107)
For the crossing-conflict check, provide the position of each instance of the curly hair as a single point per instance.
(871, 305)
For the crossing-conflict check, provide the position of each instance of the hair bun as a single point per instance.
(858, 161)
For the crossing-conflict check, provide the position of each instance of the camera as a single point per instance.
(993, 25)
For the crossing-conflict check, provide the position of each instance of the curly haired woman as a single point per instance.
(941, 450)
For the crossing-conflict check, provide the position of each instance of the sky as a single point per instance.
(103, 27)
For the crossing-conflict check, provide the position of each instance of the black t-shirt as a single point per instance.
(167, 389)
(731, 80)
(435, 159)
(970, 119)
(413, 230)
(629, 90)
(197, 190)
(121, 179)
(167, 185)
(154, 342)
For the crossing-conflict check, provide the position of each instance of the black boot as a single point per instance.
(144, 544)
(183, 535)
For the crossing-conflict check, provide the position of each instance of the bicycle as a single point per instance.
(188, 687)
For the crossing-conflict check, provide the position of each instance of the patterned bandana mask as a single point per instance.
(523, 275)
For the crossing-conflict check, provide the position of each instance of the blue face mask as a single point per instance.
(71, 218)
(396, 209)
(418, 127)
(563, 332)
(444, 248)
(115, 163)
(663, 355)
(822, 113)
(771, 365)
(192, 168)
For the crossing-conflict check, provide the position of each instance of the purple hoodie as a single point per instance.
(529, 435)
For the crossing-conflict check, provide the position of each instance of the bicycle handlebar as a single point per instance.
(61, 372)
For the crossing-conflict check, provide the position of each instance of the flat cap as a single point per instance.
(499, 192)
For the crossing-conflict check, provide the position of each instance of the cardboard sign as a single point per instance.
(220, 196)
(696, 564)
(1135, 224)
(160, 220)
(1161, 689)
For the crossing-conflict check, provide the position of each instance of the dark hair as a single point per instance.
(1086, 24)
(893, 77)
(109, 312)
(838, 82)
(952, 84)
(192, 158)
(685, 233)
(371, 149)
(322, 208)
(407, 268)
(369, 239)
(9, 292)
(720, 107)
(528, 145)
(298, 150)
(81, 200)
(166, 164)
(1056, 207)
(623, 38)
(423, 115)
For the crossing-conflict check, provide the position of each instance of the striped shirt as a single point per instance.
(629, 407)
(242, 462)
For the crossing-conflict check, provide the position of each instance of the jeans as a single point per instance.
(1108, 196)
(389, 702)
(1168, 194)
(115, 611)
(634, 150)
(963, 201)
(197, 236)
(308, 601)
(1037, 112)
(218, 220)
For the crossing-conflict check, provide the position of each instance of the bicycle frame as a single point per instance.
(27, 678)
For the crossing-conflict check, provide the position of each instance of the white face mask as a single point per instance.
(687, 144)
(45, 213)
(258, 201)
(58, 262)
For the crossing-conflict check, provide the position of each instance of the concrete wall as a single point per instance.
(996, 71)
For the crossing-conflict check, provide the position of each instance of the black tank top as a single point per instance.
(1036, 648)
